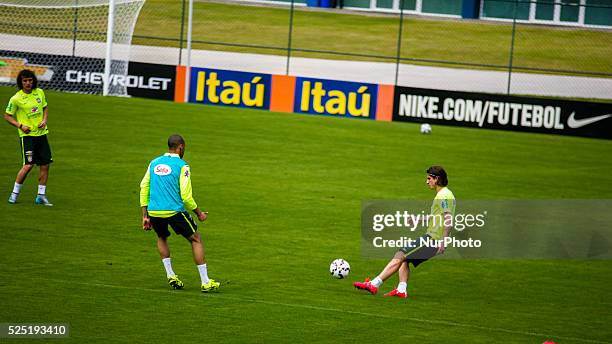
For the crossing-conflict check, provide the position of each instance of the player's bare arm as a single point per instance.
(202, 215)
(12, 121)
(146, 220)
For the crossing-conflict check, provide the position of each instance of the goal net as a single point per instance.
(66, 43)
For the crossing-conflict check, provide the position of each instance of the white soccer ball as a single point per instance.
(425, 128)
(339, 268)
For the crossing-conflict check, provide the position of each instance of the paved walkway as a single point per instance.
(370, 72)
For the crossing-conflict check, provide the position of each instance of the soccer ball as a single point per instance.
(425, 128)
(339, 268)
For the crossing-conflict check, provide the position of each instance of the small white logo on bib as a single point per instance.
(162, 170)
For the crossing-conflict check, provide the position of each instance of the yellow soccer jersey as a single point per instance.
(444, 202)
(28, 110)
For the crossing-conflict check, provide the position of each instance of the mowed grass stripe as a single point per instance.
(220, 295)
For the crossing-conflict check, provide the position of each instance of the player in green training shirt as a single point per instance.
(438, 228)
(165, 198)
(27, 111)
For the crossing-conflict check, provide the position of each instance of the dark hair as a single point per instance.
(438, 172)
(26, 73)
(175, 140)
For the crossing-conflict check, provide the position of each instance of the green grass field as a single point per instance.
(284, 193)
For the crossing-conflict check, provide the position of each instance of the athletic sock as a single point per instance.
(17, 188)
(203, 273)
(377, 282)
(42, 189)
(168, 265)
(401, 287)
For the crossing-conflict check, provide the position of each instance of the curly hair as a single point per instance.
(26, 73)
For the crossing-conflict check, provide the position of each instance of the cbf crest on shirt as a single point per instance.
(28, 110)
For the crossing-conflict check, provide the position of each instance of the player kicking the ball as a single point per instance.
(165, 194)
(443, 207)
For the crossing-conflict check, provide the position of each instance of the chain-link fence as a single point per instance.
(508, 55)
(515, 50)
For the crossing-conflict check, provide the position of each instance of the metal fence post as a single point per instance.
(399, 41)
(290, 34)
(512, 47)
(182, 30)
(189, 41)
(75, 28)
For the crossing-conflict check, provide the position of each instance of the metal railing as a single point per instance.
(514, 48)
(572, 51)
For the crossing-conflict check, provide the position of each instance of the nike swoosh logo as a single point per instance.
(574, 123)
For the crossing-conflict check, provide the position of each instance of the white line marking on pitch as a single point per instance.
(337, 310)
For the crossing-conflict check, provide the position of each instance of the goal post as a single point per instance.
(72, 45)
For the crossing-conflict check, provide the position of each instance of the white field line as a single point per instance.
(338, 310)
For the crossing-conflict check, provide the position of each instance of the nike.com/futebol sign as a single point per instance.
(503, 112)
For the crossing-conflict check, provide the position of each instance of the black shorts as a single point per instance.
(35, 150)
(419, 252)
(181, 223)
